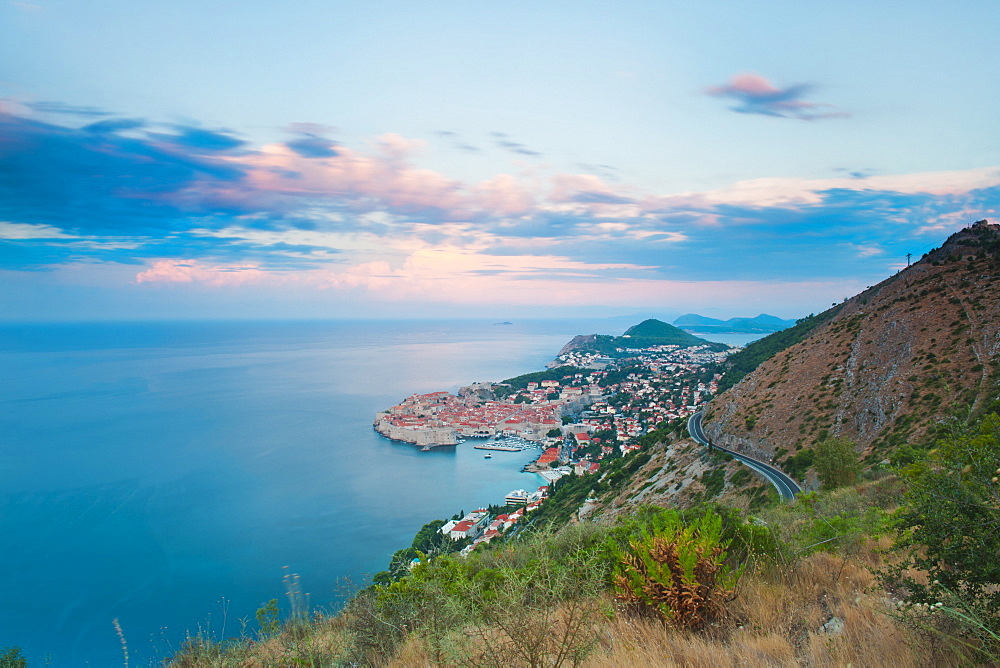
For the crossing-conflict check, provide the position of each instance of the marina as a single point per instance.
(508, 444)
(501, 446)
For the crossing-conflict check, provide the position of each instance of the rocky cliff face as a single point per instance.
(478, 392)
(578, 342)
(894, 361)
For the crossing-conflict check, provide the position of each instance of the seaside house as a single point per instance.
(516, 497)
(463, 529)
(469, 526)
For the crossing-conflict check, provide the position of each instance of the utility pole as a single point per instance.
(908, 255)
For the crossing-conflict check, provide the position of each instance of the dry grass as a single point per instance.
(320, 643)
(779, 621)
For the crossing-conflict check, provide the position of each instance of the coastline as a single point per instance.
(584, 412)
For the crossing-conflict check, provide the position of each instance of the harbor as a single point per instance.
(499, 446)
(507, 445)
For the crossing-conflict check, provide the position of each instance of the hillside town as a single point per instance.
(630, 396)
(481, 527)
(578, 415)
(441, 418)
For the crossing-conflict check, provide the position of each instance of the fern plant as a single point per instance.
(676, 572)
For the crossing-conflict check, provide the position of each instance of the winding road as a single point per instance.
(786, 487)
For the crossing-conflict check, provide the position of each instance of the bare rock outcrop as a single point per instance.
(578, 342)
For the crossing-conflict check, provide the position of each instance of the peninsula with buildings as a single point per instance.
(627, 385)
(442, 418)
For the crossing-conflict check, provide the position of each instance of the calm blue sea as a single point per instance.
(164, 474)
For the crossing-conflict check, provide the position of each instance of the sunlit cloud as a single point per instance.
(866, 250)
(768, 192)
(193, 271)
(504, 195)
(450, 276)
(28, 231)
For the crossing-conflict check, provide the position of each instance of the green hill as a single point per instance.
(663, 333)
(646, 334)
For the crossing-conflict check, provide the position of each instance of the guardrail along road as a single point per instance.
(786, 487)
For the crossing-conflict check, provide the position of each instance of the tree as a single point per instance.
(268, 619)
(950, 528)
(836, 462)
(12, 658)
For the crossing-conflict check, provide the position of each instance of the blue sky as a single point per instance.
(326, 159)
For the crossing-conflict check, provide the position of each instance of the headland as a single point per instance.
(626, 386)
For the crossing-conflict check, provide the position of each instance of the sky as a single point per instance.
(327, 159)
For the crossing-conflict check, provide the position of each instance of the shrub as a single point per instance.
(836, 462)
(842, 533)
(797, 465)
(542, 614)
(677, 572)
(948, 528)
(535, 604)
(268, 619)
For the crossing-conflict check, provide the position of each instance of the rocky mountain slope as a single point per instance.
(885, 367)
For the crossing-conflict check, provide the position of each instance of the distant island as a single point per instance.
(760, 324)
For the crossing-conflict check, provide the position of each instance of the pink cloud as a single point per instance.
(504, 195)
(192, 271)
(747, 84)
(427, 272)
(362, 181)
(568, 187)
(397, 147)
(436, 275)
(386, 181)
(757, 95)
(778, 191)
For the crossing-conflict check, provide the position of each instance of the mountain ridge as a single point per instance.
(882, 369)
(888, 369)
